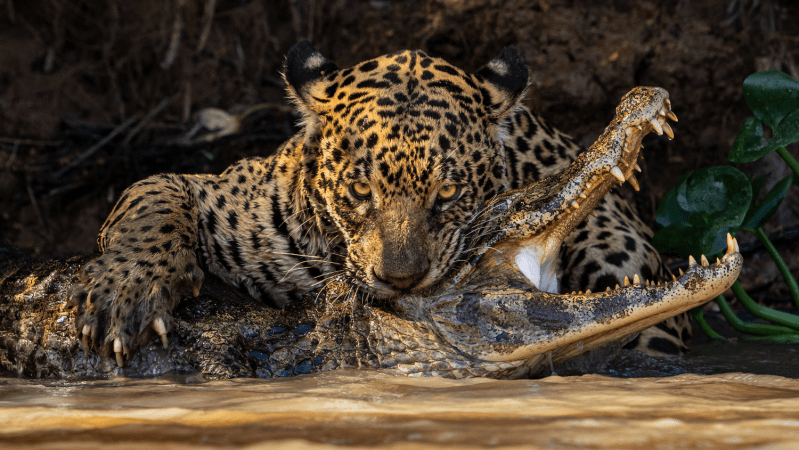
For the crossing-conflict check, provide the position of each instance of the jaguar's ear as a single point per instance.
(308, 74)
(505, 77)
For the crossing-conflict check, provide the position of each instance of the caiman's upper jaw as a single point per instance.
(532, 222)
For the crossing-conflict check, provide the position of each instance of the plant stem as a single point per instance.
(697, 314)
(786, 274)
(792, 163)
(751, 328)
(779, 317)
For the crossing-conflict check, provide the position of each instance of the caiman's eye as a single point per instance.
(361, 191)
(449, 192)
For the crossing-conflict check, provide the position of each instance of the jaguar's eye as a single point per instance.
(449, 192)
(361, 191)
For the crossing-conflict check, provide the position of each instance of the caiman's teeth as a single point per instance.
(575, 205)
(730, 245)
(594, 213)
(674, 278)
(703, 260)
(656, 126)
(637, 167)
(617, 285)
(628, 131)
(587, 291)
(691, 261)
(582, 195)
(668, 130)
(668, 103)
(626, 281)
(607, 289)
(639, 127)
(636, 280)
(718, 261)
(672, 116)
(634, 182)
(681, 272)
(617, 173)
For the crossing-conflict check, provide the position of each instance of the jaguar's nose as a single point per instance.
(403, 279)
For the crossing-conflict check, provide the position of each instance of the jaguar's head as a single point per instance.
(401, 152)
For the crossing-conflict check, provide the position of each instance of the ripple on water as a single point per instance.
(372, 409)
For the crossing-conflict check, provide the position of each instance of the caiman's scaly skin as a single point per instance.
(486, 319)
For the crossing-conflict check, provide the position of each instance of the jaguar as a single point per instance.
(384, 187)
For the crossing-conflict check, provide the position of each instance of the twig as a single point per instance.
(13, 155)
(35, 204)
(146, 120)
(174, 41)
(208, 18)
(16, 141)
(96, 146)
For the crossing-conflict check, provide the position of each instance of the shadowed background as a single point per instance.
(95, 94)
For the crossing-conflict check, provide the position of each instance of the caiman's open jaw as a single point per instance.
(495, 315)
(533, 221)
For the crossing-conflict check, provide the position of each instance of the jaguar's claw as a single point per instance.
(84, 339)
(118, 352)
(160, 328)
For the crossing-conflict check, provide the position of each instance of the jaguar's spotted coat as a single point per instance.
(396, 157)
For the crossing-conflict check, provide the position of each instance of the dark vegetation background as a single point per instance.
(97, 94)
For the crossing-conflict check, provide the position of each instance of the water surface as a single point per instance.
(366, 408)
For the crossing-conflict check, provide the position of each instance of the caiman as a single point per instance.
(486, 317)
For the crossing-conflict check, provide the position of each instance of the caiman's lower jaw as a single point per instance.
(600, 318)
(511, 331)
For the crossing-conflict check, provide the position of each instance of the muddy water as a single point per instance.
(373, 409)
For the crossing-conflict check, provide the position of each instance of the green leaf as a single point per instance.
(669, 211)
(762, 213)
(701, 210)
(787, 131)
(771, 95)
(750, 143)
(757, 185)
